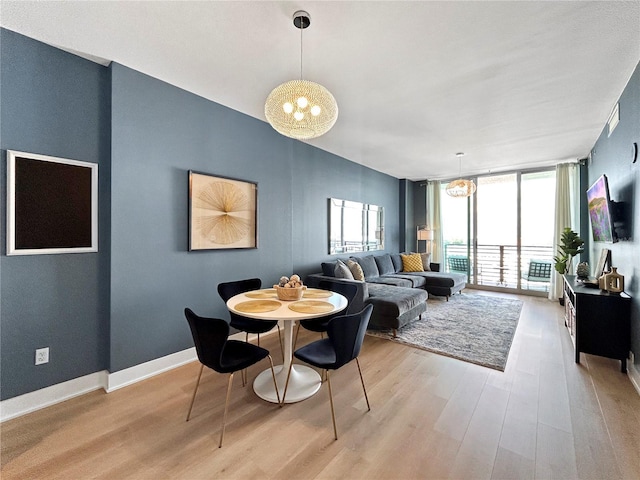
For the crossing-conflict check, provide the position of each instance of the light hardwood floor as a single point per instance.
(432, 417)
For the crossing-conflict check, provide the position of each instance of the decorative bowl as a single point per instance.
(289, 294)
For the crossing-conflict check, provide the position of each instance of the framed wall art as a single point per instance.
(223, 212)
(52, 205)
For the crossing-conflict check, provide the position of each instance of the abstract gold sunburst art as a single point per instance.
(222, 212)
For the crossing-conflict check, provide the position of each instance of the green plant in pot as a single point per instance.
(570, 245)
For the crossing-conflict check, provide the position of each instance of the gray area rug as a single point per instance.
(474, 328)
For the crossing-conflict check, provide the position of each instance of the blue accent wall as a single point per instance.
(124, 305)
(612, 156)
(57, 104)
(159, 133)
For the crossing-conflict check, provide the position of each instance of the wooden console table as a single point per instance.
(599, 322)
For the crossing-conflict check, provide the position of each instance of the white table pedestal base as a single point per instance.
(304, 383)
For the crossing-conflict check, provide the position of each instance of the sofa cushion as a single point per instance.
(328, 269)
(392, 280)
(412, 263)
(396, 259)
(417, 281)
(342, 271)
(356, 270)
(426, 261)
(369, 267)
(396, 301)
(385, 265)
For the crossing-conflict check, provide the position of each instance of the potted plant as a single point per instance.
(570, 245)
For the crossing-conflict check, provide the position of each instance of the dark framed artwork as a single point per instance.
(52, 205)
(223, 212)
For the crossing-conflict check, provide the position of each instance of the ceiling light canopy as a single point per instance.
(300, 108)
(461, 187)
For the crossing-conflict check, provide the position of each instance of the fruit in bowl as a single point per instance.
(290, 289)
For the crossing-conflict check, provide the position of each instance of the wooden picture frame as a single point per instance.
(223, 212)
(52, 205)
(603, 263)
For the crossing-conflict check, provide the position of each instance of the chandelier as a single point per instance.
(461, 187)
(300, 108)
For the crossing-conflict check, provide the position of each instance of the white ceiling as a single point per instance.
(512, 84)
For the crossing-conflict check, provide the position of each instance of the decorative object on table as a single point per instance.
(300, 108)
(258, 306)
(311, 306)
(474, 328)
(582, 270)
(461, 187)
(222, 212)
(570, 245)
(603, 262)
(613, 281)
(290, 289)
(601, 280)
(52, 205)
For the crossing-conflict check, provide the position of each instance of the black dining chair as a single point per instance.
(345, 336)
(216, 351)
(319, 325)
(227, 290)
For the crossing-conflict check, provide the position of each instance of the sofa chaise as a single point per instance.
(398, 297)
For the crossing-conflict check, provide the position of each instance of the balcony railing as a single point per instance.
(497, 265)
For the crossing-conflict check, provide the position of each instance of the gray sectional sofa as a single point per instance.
(398, 297)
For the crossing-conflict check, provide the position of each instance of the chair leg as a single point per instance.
(273, 374)
(286, 384)
(226, 406)
(363, 387)
(193, 398)
(333, 414)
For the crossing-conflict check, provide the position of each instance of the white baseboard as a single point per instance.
(149, 369)
(634, 376)
(45, 397)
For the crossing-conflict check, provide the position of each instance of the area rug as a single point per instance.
(474, 328)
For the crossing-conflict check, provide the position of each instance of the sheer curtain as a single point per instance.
(435, 223)
(566, 214)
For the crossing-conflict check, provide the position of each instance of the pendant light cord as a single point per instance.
(301, 29)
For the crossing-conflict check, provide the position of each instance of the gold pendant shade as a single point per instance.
(301, 109)
(461, 188)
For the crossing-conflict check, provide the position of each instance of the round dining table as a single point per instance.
(265, 305)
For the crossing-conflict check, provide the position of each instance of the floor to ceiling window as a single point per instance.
(502, 236)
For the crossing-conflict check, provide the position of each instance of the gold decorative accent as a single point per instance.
(289, 294)
(267, 293)
(223, 202)
(258, 306)
(317, 293)
(311, 306)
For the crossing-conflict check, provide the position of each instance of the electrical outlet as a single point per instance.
(42, 355)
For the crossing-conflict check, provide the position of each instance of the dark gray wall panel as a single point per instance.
(53, 103)
(611, 155)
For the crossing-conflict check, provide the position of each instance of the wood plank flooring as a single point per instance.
(545, 417)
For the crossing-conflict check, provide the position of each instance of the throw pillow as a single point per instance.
(426, 261)
(342, 271)
(356, 270)
(411, 263)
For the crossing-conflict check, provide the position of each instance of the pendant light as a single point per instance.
(301, 109)
(461, 187)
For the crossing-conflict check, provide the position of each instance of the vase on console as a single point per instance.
(613, 281)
